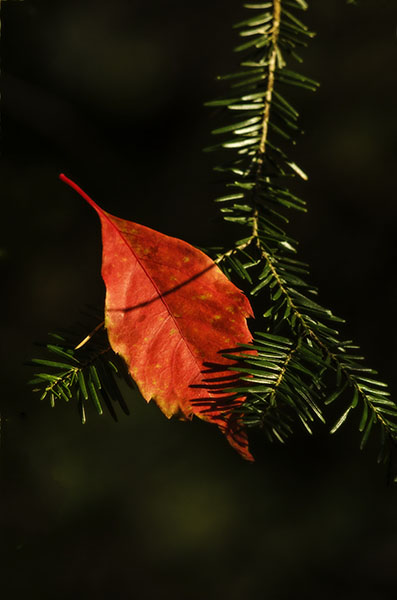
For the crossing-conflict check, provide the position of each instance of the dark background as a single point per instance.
(112, 94)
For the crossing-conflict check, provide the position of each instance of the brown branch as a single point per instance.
(270, 80)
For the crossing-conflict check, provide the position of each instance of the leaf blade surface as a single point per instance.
(171, 313)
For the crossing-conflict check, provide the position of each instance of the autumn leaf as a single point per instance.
(170, 312)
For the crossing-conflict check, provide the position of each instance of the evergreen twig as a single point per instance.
(84, 375)
(261, 123)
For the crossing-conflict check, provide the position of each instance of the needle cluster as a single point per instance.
(302, 363)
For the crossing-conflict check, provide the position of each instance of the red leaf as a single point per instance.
(170, 312)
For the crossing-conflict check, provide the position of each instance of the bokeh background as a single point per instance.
(112, 94)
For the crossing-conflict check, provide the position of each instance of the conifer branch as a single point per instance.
(263, 121)
(85, 375)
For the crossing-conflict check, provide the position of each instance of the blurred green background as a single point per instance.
(112, 94)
